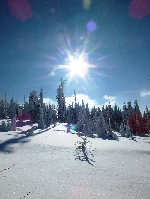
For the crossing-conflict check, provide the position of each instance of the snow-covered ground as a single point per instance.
(46, 166)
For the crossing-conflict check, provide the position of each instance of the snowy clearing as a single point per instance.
(46, 165)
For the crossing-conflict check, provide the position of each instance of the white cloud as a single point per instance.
(48, 100)
(145, 93)
(110, 98)
(79, 98)
(86, 99)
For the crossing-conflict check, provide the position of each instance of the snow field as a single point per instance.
(45, 166)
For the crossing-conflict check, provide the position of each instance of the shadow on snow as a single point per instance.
(5, 146)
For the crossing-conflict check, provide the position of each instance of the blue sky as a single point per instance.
(37, 36)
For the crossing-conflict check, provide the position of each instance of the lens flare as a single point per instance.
(91, 26)
(20, 9)
(73, 127)
(86, 4)
(139, 9)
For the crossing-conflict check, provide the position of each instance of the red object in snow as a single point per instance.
(25, 116)
(138, 124)
(21, 9)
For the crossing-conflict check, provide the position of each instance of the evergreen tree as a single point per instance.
(61, 102)
(41, 120)
(12, 115)
(4, 127)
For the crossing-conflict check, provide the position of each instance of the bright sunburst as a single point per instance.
(77, 66)
(75, 61)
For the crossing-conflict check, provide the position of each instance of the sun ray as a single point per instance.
(78, 62)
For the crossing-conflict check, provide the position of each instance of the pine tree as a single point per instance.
(100, 124)
(41, 97)
(122, 131)
(8, 126)
(41, 120)
(5, 107)
(128, 131)
(136, 107)
(12, 115)
(33, 103)
(61, 102)
(4, 127)
(147, 113)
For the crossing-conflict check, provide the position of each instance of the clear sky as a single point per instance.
(113, 37)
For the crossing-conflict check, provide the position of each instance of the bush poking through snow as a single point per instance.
(30, 131)
(82, 152)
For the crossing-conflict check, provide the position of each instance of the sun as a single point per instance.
(77, 62)
(77, 67)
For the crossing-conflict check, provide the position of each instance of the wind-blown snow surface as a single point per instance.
(43, 166)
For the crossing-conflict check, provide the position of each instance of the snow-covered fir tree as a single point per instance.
(4, 127)
(122, 130)
(33, 104)
(128, 131)
(8, 127)
(100, 125)
(146, 113)
(12, 115)
(61, 101)
(136, 107)
(41, 97)
(41, 119)
(3, 108)
(25, 106)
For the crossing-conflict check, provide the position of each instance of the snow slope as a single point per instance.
(44, 166)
